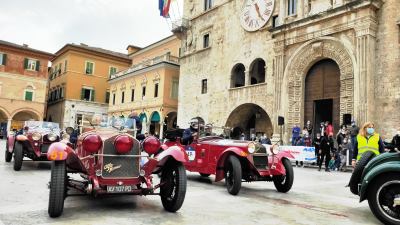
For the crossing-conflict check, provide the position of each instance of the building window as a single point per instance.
(208, 4)
(65, 65)
(143, 91)
(132, 95)
(62, 92)
(59, 70)
(206, 41)
(89, 69)
(292, 7)
(275, 21)
(174, 89)
(112, 71)
(3, 59)
(113, 98)
(87, 94)
(238, 76)
(155, 90)
(107, 97)
(30, 64)
(28, 95)
(123, 97)
(204, 86)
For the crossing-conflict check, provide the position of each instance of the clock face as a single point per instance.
(256, 13)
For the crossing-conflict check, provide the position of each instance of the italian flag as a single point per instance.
(163, 6)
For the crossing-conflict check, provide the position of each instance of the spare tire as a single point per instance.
(355, 178)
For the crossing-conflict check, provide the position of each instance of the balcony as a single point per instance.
(250, 93)
(147, 63)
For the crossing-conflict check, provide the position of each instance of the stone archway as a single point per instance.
(250, 119)
(297, 68)
(21, 116)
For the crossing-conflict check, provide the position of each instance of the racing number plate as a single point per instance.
(191, 153)
(119, 189)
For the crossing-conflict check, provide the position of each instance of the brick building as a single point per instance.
(244, 63)
(23, 84)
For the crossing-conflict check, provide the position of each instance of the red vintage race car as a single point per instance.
(111, 161)
(32, 142)
(237, 161)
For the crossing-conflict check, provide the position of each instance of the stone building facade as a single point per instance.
(23, 84)
(149, 87)
(313, 60)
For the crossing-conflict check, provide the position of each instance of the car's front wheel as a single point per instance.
(8, 155)
(18, 156)
(284, 183)
(233, 175)
(355, 178)
(384, 198)
(58, 188)
(173, 188)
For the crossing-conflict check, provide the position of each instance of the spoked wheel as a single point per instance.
(233, 175)
(18, 156)
(384, 197)
(355, 178)
(58, 188)
(285, 182)
(8, 156)
(173, 188)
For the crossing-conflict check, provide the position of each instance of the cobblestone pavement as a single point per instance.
(316, 198)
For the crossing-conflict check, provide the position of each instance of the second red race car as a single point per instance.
(236, 161)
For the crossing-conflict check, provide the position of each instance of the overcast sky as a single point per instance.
(111, 24)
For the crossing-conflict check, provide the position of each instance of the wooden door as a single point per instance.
(323, 82)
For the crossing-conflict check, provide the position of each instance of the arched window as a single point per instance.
(238, 76)
(257, 71)
(29, 93)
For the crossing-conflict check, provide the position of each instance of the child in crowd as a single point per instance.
(332, 162)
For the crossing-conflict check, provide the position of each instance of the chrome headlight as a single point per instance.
(36, 136)
(251, 148)
(52, 136)
(65, 136)
(274, 149)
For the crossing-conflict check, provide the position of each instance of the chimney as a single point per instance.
(132, 49)
(25, 45)
(83, 44)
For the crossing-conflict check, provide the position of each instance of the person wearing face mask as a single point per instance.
(327, 147)
(396, 140)
(317, 146)
(367, 140)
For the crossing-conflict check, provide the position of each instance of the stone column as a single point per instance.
(161, 126)
(365, 53)
(278, 72)
(9, 125)
(246, 78)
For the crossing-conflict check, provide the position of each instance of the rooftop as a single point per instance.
(25, 47)
(93, 49)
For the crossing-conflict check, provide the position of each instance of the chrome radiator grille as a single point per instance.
(260, 161)
(123, 165)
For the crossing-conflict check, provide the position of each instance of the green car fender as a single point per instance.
(388, 167)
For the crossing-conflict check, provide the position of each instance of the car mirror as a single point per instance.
(69, 130)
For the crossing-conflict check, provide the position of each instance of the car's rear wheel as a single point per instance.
(284, 183)
(204, 174)
(355, 178)
(18, 156)
(8, 155)
(233, 175)
(381, 195)
(58, 188)
(173, 188)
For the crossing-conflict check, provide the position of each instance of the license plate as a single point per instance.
(119, 189)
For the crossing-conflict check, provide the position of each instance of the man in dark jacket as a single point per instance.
(396, 140)
(327, 145)
(317, 145)
(190, 133)
(354, 129)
